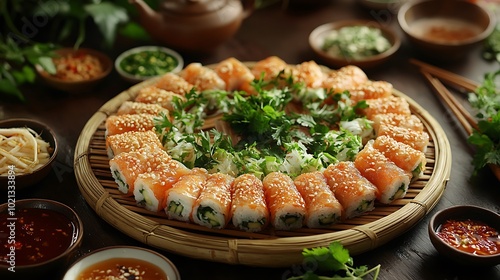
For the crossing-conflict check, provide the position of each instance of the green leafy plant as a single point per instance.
(17, 65)
(336, 263)
(486, 102)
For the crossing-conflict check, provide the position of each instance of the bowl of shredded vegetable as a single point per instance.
(145, 62)
(365, 44)
(76, 70)
(27, 149)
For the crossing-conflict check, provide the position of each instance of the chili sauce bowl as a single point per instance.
(145, 62)
(464, 213)
(133, 259)
(319, 34)
(16, 182)
(84, 84)
(445, 30)
(42, 235)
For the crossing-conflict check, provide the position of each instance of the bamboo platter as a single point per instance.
(270, 248)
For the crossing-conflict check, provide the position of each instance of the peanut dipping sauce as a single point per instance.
(470, 236)
(123, 268)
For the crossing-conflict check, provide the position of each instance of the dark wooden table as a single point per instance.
(280, 31)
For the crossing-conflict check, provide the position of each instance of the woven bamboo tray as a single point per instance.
(270, 248)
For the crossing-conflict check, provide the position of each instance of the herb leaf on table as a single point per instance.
(334, 259)
(486, 102)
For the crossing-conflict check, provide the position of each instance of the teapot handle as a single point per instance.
(248, 7)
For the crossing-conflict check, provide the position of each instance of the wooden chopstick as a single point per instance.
(458, 110)
(448, 77)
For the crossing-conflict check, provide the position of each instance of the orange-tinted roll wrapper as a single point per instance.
(150, 188)
(212, 207)
(355, 193)
(126, 167)
(404, 156)
(391, 181)
(181, 197)
(249, 210)
(416, 139)
(323, 209)
(131, 141)
(117, 124)
(286, 205)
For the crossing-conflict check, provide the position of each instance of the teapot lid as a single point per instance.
(193, 7)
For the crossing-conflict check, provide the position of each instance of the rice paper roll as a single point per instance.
(416, 139)
(174, 83)
(117, 124)
(126, 167)
(235, 74)
(202, 77)
(411, 122)
(132, 107)
(323, 209)
(150, 188)
(181, 197)
(249, 210)
(131, 141)
(404, 156)
(355, 193)
(155, 95)
(391, 104)
(212, 208)
(371, 90)
(391, 181)
(286, 205)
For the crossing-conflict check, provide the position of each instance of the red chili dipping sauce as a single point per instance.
(470, 236)
(123, 268)
(34, 236)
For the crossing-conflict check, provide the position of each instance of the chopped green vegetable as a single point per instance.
(336, 262)
(486, 102)
(355, 42)
(149, 63)
(269, 137)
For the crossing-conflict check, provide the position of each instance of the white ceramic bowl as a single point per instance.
(136, 78)
(123, 252)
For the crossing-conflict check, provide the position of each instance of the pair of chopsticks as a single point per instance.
(434, 76)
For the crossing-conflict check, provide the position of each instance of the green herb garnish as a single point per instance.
(486, 102)
(335, 263)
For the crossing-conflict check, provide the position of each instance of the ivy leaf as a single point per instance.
(134, 31)
(107, 16)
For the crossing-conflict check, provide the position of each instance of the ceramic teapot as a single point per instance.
(193, 25)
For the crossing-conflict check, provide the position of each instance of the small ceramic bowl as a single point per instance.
(445, 29)
(141, 57)
(317, 39)
(21, 181)
(461, 213)
(118, 255)
(53, 222)
(81, 85)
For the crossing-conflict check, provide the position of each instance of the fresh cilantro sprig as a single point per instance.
(486, 102)
(335, 262)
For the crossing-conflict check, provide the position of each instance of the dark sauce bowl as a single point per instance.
(45, 268)
(464, 212)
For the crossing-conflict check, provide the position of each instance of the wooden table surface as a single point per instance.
(281, 31)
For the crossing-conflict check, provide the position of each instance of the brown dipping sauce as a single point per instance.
(40, 235)
(123, 268)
